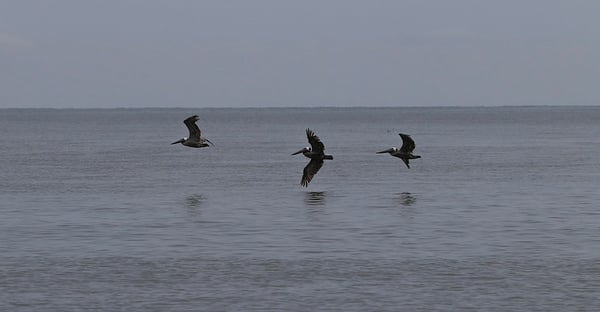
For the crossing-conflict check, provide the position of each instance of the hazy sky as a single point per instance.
(193, 53)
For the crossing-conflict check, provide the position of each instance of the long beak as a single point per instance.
(389, 150)
(180, 141)
(298, 152)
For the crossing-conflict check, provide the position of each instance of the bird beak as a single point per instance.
(389, 150)
(180, 141)
(298, 152)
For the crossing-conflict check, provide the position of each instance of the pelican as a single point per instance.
(316, 155)
(404, 152)
(195, 139)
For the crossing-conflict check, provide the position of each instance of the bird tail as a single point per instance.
(328, 157)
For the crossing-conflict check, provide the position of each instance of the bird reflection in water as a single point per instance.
(315, 198)
(407, 199)
(194, 201)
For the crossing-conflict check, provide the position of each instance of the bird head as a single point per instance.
(306, 149)
(179, 141)
(389, 150)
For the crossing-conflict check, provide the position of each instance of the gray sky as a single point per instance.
(254, 53)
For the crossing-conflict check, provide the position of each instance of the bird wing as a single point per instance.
(405, 160)
(190, 123)
(310, 170)
(408, 145)
(315, 142)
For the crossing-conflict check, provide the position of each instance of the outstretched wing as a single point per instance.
(315, 143)
(310, 170)
(405, 160)
(190, 123)
(408, 145)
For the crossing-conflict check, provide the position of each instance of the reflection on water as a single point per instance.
(194, 201)
(315, 198)
(407, 199)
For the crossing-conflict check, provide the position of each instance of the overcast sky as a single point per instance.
(254, 53)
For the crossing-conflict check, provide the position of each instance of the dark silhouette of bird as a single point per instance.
(316, 155)
(195, 138)
(404, 152)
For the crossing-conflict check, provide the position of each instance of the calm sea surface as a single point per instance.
(98, 212)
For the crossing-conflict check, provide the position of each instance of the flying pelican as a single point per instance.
(405, 152)
(195, 139)
(316, 155)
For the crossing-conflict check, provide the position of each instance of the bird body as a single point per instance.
(405, 151)
(317, 155)
(195, 138)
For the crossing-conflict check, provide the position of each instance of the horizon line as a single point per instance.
(290, 107)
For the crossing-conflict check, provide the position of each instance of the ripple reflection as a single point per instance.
(315, 198)
(194, 201)
(407, 199)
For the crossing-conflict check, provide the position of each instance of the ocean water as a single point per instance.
(98, 212)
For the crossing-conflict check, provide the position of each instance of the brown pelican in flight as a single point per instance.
(404, 152)
(316, 155)
(195, 139)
